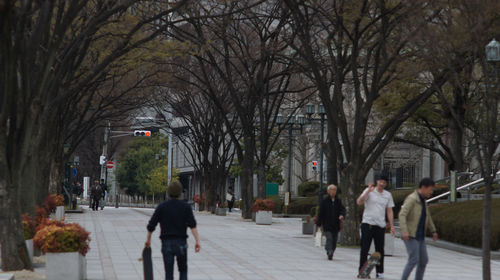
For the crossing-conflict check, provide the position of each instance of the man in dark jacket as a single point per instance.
(331, 213)
(174, 216)
(95, 195)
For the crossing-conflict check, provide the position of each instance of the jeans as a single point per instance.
(377, 234)
(331, 241)
(175, 248)
(417, 255)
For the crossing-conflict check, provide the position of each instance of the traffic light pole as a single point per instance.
(105, 151)
(320, 192)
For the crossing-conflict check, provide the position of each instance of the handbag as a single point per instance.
(317, 238)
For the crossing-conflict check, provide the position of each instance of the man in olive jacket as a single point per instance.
(331, 212)
(414, 220)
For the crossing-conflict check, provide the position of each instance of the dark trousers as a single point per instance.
(230, 204)
(175, 248)
(331, 241)
(377, 234)
(95, 203)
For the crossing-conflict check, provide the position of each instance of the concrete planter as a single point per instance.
(65, 266)
(196, 207)
(29, 246)
(308, 227)
(59, 213)
(220, 211)
(264, 217)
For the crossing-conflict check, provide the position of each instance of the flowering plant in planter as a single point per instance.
(60, 237)
(52, 201)
(197, 198)
(29, 226)
(263, 205)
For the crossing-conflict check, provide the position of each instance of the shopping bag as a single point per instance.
(317, 238)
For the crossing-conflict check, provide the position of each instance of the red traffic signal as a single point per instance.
(146, 133)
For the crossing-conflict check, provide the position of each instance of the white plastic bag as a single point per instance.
(317, 238)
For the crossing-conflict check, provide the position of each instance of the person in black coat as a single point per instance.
(331, 213)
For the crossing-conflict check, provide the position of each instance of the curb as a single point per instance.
(6, 276)
(495, 255)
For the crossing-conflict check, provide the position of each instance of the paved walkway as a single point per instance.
(233, 248)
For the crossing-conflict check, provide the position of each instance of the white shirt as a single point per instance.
(376, 204)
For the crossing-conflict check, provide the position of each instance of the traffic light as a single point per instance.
(102, 159)
(142, 133)
(314, 165)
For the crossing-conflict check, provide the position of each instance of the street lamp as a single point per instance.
(291, 122)
(322, 114)
(493, 51)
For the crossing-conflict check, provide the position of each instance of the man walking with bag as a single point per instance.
(331, 213)
(174, 216)
(414, 220)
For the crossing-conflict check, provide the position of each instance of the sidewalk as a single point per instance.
(233, 248)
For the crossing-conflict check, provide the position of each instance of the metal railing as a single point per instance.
(459, 188)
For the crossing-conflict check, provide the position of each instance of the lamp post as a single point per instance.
(322, 114)
(300, 120)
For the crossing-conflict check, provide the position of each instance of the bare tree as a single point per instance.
(45, 47)
(244, 50)
(354, 51)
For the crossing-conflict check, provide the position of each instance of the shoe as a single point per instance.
(330, 256)
(368, 277)
(380, 276)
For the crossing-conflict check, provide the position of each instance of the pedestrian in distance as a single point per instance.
(95, 194)
(377, 203)
(414, 219)
(331, 214)
(230, 198)
(104, 190)
(174, 216)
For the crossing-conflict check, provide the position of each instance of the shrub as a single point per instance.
(40, 215)
(29, 226)
(197, 198)
(52, 201)
(58, 237)
(462, 223)
(399, 197)
(308, 188)
(263, 205)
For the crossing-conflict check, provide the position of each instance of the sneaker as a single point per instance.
(368, 277)
(330, 256)
(380, 276)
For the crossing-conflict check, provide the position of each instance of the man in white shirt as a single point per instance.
(377, 203)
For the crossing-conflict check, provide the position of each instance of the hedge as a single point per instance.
(298, 205)
(308, 188)
(462, 222)
(399, 197)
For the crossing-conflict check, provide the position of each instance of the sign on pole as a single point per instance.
(86, 184)
(110, 164)
(287, 198)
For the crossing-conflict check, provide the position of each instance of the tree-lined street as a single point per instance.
(224, 81)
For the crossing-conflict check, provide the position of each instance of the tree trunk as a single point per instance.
(247, 178)
(14, 251)
(261, 180)
(33, 181)
(350, 186)
(331, 156)
(55, 176)
(456, 134)
(487, 230)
